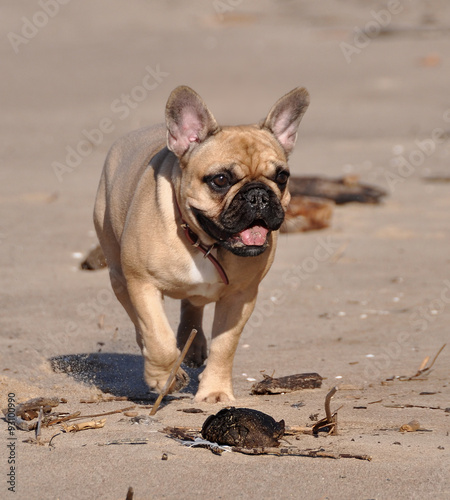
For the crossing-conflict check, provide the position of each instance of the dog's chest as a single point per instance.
(205, 279)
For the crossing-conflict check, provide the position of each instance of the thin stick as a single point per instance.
(424, 363)
(425, 369)
(51, 439)
(297, 429)
(108, 412)
(109, 399)
(173, 373)
(327, 404)
(298, 453)
(435, 358)
(38, 427)
(64, 419)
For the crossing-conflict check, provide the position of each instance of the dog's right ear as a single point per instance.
(285, 116)
(188, 121)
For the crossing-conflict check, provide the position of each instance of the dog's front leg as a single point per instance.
(159, 346)
(231, 315)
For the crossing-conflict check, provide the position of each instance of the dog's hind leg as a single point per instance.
(191, 317)
(118, 284)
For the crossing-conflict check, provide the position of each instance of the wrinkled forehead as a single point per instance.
(247, 148)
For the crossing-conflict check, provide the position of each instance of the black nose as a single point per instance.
(257, 197)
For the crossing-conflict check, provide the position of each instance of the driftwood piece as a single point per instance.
(191, 410)
(93, 424)
(297, 452)
(341, 190)
(26, 413)
(412, 426)
(94, 260)
(286, 384)
(306, 213)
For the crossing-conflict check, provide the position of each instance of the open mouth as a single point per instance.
(248, 242)
(255, 235)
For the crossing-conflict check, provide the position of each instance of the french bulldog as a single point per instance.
(191, 210)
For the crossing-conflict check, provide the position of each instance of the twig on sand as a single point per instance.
(104, 399)
(173, 373)
(187, 434)
(77, 415)
(93, 424)
(64, 419)
(423, 368)
(297, 452)
(133, 441)
(109, 412)
(330, 421)
(294, 430)
(39, 422)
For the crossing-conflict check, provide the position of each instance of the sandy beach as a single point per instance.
(363, 302)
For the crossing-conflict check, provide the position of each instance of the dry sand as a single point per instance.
(360, 303)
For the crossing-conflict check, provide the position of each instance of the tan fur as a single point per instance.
(149, 257)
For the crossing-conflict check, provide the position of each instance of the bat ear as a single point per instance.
(188, 121)
(285, 116)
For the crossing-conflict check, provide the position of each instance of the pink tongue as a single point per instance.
(255, 235)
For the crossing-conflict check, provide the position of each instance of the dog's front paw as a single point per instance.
(157, 379)
(215, 387)
(214, 397)
(181, 380)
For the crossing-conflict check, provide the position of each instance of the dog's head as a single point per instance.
(233, 187)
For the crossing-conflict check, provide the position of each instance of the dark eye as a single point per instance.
(219, 182)
(282, 177)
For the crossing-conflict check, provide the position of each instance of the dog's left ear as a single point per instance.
(188, 120)
(285, 116)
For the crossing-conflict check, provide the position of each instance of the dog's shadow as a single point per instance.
(118, 374)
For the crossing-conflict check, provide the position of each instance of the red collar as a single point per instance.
(194, 240)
